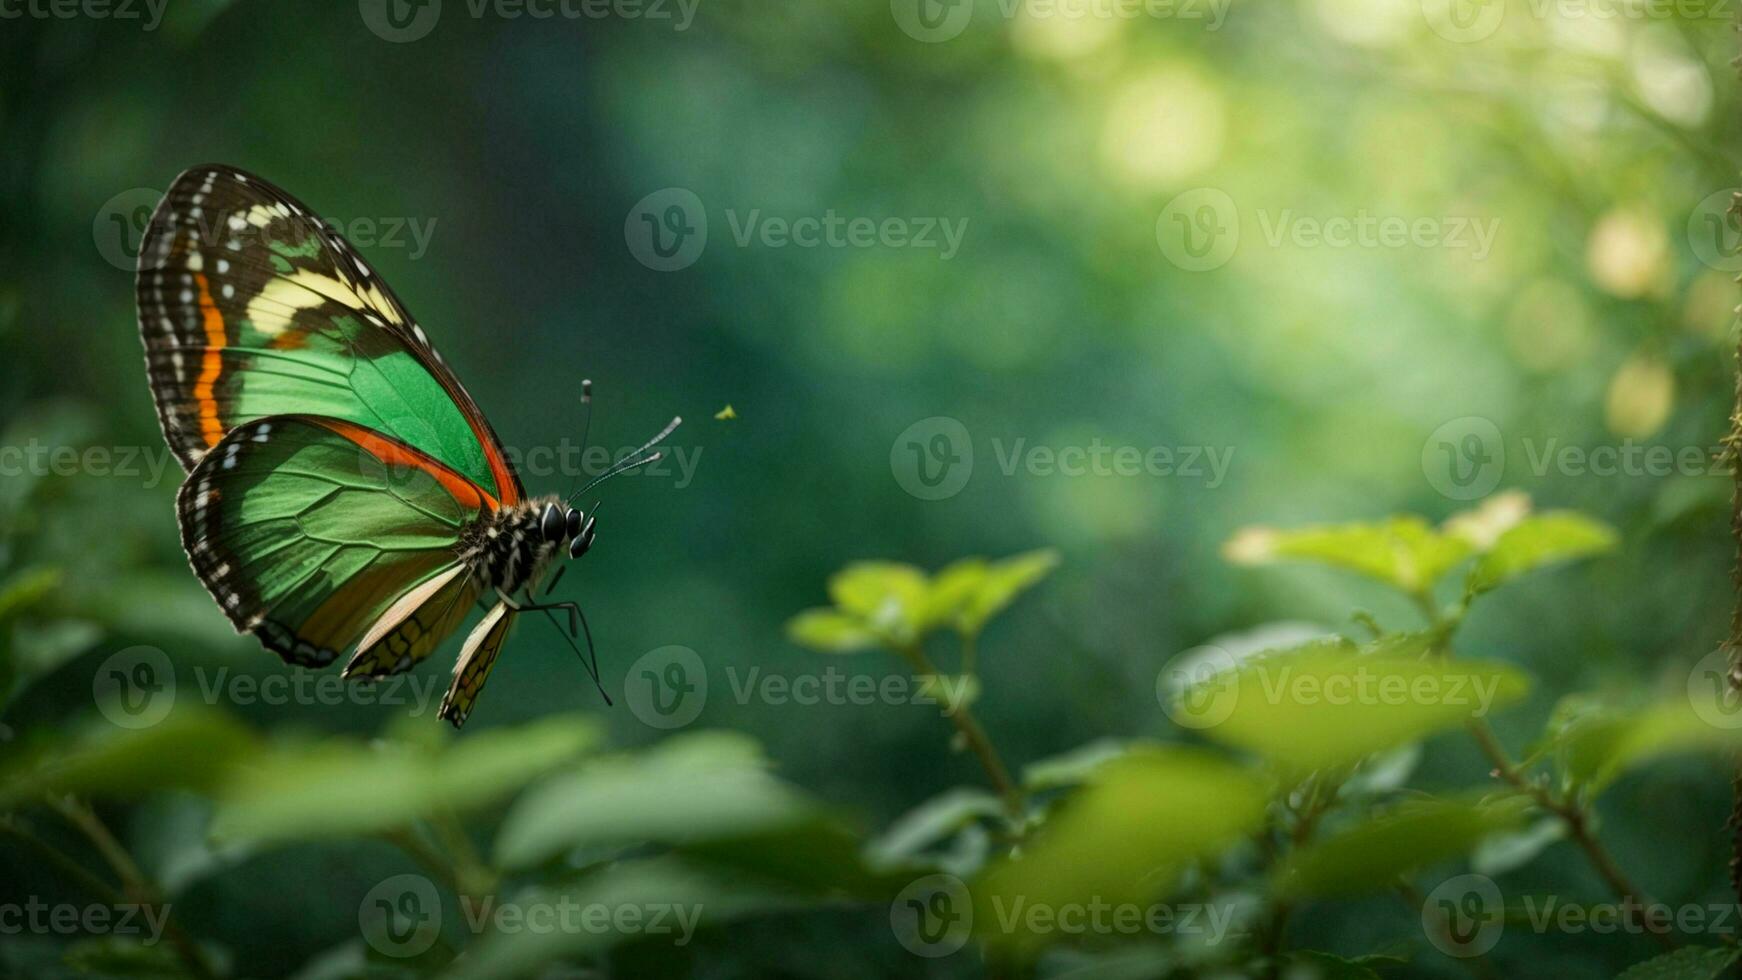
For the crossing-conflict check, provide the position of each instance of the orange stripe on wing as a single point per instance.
(395, 453)
(211, 365)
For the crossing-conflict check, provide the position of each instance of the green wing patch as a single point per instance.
(306, 530)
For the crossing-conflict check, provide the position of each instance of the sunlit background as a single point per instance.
(1324, 241)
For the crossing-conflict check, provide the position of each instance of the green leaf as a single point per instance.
(682, 897)
(26, 589)
(1688, 963)
(1329, 706)
(887, 597)
(929, 824)
(1556, 536)
(1596, 743)
(690, 788)
(953, 589)
(1165, 807)
(1506, 851)
(1404, 552)
(830, 631)
(1312, 964)
(345, 787)
(1077, 765)
(1001, 583)
(116, 956)
(193, 748)
(1372, 854)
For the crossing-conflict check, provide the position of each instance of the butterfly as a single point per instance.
(345, 494)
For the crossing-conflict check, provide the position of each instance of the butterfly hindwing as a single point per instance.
(403, 636)
(476, 659)
(308, 529)
(251, 306)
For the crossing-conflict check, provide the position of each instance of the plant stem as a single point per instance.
(96, 886)
(1635, 903)
(133, 881)
(1733, 449)
(431, 860)
(1015, 802)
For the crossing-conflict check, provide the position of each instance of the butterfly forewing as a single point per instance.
(251, 306)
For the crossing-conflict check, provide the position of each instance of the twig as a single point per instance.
(133, 881)
(1015, 802)
(1635, 903)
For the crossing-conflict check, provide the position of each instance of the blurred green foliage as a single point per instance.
(1592, 332)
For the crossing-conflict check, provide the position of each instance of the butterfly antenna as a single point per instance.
(586, 413)
(634, 459)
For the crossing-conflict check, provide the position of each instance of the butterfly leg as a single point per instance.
(528, 605)
(575, 615)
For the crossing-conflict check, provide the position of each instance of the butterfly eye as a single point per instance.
(551, 524)
(574, 523)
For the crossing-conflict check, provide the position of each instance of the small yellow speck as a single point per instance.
(726, 413)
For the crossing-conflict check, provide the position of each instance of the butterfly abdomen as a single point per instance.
(504, 549)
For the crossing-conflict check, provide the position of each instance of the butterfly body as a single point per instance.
(507, 550)
(345, 493)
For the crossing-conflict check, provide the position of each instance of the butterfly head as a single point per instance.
(561, 524)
